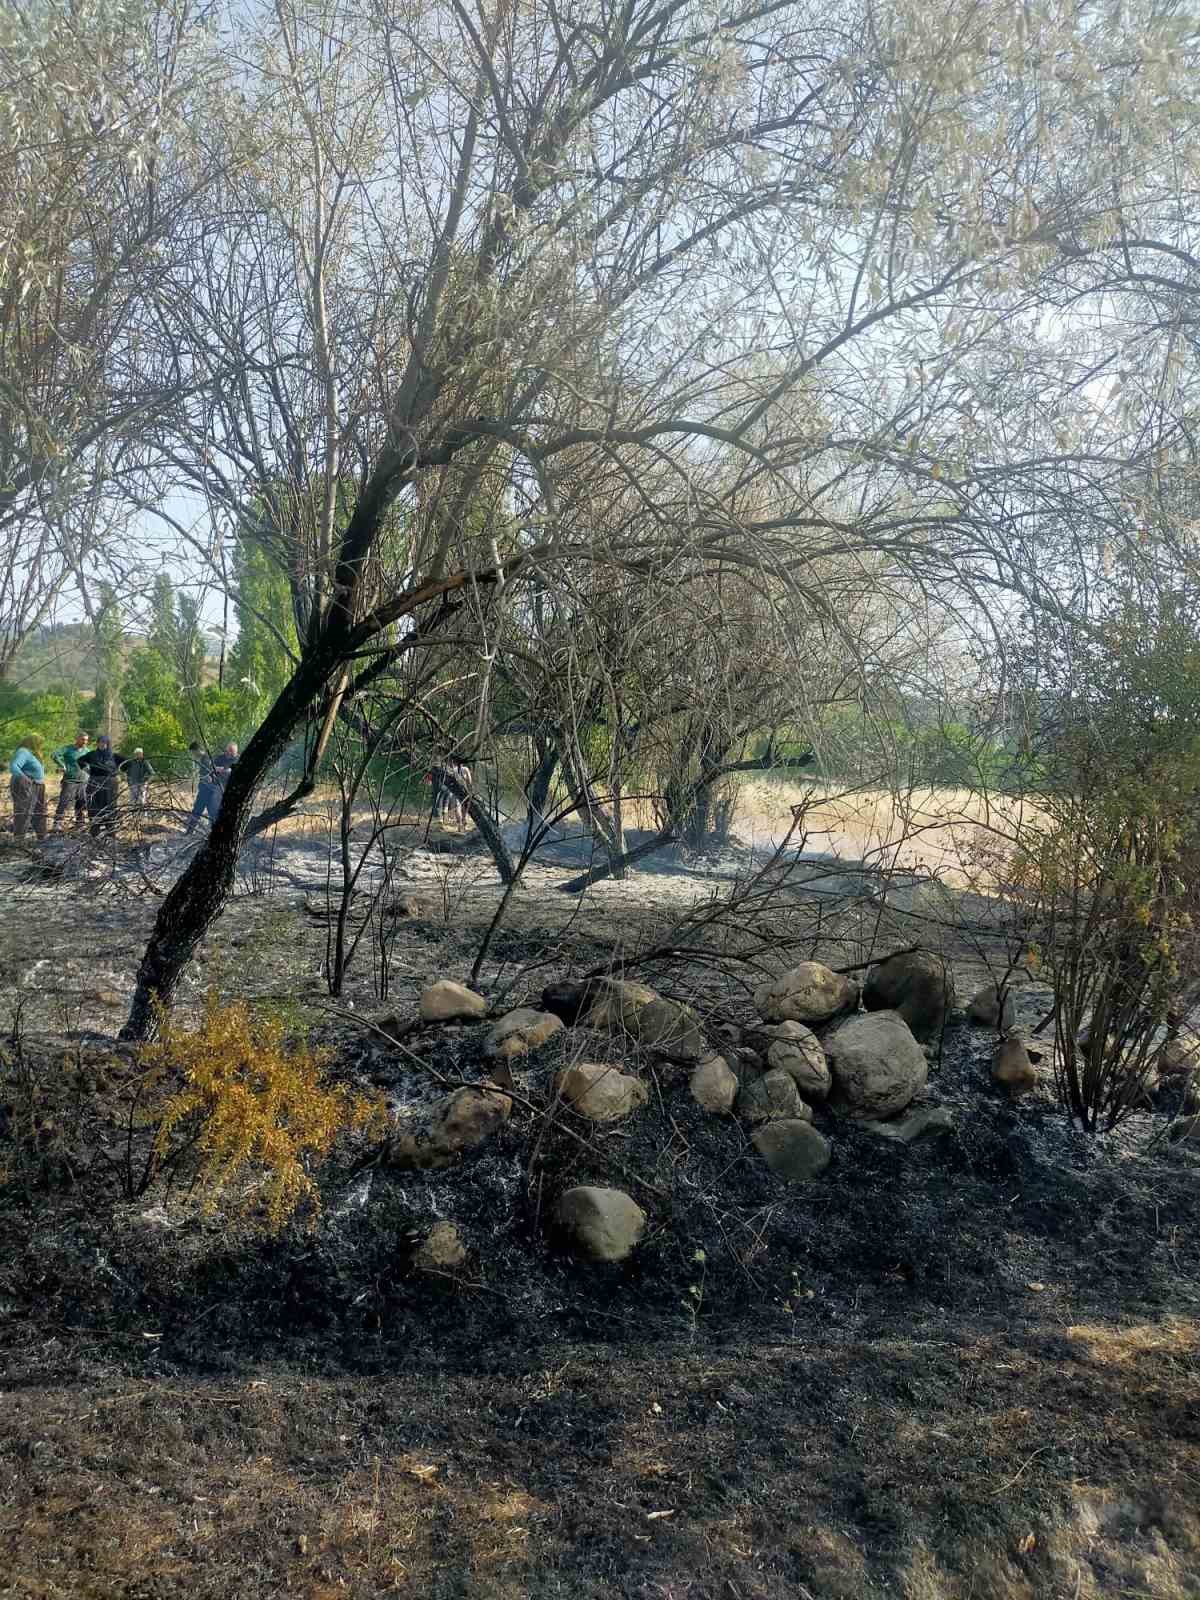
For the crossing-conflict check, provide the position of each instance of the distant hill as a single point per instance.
(64, 653)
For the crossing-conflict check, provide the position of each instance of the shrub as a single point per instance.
(234, 1099)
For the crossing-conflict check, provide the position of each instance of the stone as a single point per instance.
(447, 1001)
(772, 1095)
(461, 1122)
(600, 1091)
(1180, 1053)
(441, 1250)
(1186, 1128)
(987, 1011)
(714, 1086)
(519, 1032)
(918, 985)
(567, 1001)
(1012, 1068)
(808, 993)
(877, 1065)
(793, 1150)
(603, 1224)
(615, 1005)
(796, 1050)
(929, 1122)
(406, 905)
(670, 1030)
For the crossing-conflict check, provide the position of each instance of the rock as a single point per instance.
(1180, 1053)
(877, 1065)
(918, 985)
(615, 1005)
(406, 905)
(1186, 1128)
(927, 1123)
(772, 1095)
(671, 1030)
(808, 993)
(441, 1250)
(600, 1091)
(447, 1001)
(986, 1010)
(567, 1001)
(1012, 1068)
(714, 1086)
(604, 1224)
(796, 1050)
(457, 1124)
(793, 1150)
(519, 1032)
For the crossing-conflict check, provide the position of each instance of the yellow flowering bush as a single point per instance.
(238, 1101)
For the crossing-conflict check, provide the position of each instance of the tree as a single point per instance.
(110, 660)
(572, 243)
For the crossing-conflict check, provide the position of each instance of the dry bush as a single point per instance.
(231, 1099)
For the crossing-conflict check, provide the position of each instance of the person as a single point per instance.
(27, 781)
(461, 773)
(72, 792)
(224, 764)
(137, 773)
(102, 765)
(208, 790)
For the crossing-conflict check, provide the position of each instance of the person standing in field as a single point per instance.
(461, 773)
(137, 773)
(102, 765)
(208, 790)
(27, 781)
(72, 792)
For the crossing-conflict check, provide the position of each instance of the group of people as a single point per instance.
(88, 794)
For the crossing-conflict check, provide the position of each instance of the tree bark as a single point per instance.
(199, 895)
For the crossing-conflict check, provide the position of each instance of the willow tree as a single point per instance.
(576, 238)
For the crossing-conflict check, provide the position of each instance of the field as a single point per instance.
(961, 1370)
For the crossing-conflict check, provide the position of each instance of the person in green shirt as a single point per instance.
(72, 794)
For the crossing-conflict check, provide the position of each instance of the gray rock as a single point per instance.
(810, 992)
(441, 1250)
(447, 1001)
(671, 1030)
(1012, 1067)
(519, 1032)
(714, 1086)
(918, 985)
(600, 1091)
(796, 1050)
(793, 1150)
(615, 1004)
(603, 1224)
(1180, 1053)
(772, 1095)
(877, 1065)
(929, 1122)
(986, 1010)
(461, 1122)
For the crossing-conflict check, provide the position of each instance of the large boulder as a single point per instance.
(714, 1086)
(615, 1004)
(987, 1010)
(916, 984)
(519, 1032)
(603, 1224)
(568, 1001)
(792, 1048)
(447, 1001)
(772, 1095)
(877, 1065)
(600, 1091)
(670, 1030)
(810, 992)
(461, 1122)
(793, 1150)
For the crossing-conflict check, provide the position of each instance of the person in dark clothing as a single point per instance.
(137, 773)
(101, 766)
(208, 791)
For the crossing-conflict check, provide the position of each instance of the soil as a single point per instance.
(965, 1368)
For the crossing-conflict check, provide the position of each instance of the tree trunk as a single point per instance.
(199, 895)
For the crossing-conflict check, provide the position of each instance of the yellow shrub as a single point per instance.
(246, 1101)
